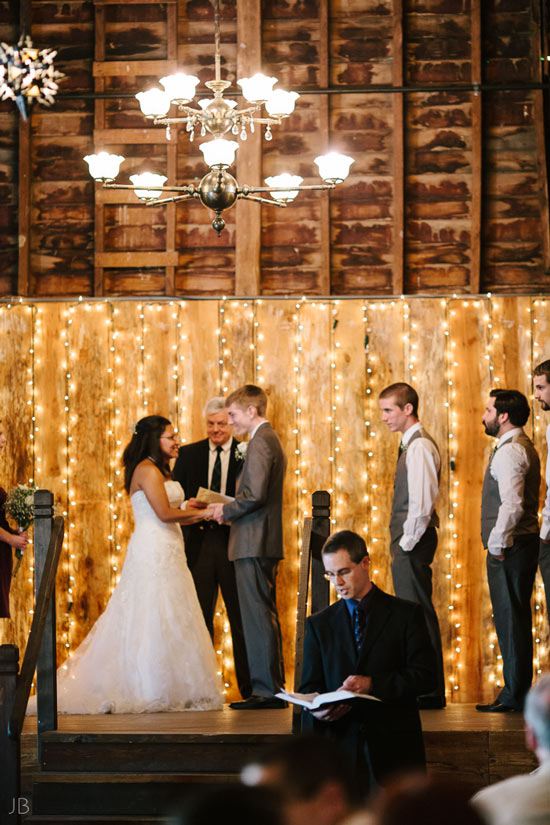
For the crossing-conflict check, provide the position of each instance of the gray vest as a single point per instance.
(491, 501)
(400, 503)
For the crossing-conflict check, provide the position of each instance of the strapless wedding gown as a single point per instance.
(150, 649)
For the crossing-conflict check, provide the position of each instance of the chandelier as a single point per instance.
(217, 117)
(27, 74)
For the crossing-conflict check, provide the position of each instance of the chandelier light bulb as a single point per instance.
(104, 166)
(281, 103)
(148, 180)
(257, 88)
(219, 153)
(334, 168)
(285, 179)
(180, 87)
(153, 103)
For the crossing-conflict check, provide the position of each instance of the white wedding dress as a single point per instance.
(150, 650)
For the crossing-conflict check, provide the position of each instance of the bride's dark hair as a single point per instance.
(145, 443)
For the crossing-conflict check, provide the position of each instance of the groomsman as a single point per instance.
(541, 383)
(256, 543)
(413, 519)
(509, 531)
(212, 463)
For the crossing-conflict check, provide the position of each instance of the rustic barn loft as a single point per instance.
(441, 103)
(429, 264)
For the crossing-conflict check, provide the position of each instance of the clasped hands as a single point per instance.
(356, 684)
(210, 512)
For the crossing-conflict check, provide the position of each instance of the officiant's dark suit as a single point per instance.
(395, 652)
(206, 550)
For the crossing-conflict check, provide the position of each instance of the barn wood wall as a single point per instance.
(77, 375)
(448, 191)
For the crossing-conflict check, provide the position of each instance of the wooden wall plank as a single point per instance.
(87, 524)
(16, 405)
(51, 438)
(385, 359)
(200, 370)
(467, 397)
(276, 348)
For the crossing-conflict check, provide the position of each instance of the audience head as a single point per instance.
(537, 718)
(417, 799)
(541, 384)
(146, 443)
(399, 406)
(231, 805)
(218, 428)
(246, 408)
(312, 777)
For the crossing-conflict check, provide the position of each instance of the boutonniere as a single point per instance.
(240, 451)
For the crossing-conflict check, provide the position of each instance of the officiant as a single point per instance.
(372, 643)
(214, 463)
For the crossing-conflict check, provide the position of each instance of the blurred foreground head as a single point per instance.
(312, 778)
(231, 805)
(417, 799)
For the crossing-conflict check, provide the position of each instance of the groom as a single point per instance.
(256, 543)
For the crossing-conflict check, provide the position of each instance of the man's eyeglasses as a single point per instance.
(344, 573)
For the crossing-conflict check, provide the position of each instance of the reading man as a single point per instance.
(373, 643)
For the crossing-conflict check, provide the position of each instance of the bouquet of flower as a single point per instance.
(19, 507)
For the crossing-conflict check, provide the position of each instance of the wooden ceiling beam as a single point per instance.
(249, 156)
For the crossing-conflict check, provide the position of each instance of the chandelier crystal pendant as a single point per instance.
(218, 118)
(27, 74)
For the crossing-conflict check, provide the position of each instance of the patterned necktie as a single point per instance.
(216, 482)
(358, 626)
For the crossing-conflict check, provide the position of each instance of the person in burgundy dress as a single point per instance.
(8, 539)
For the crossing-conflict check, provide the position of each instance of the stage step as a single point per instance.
(117, 794)
(153, 753)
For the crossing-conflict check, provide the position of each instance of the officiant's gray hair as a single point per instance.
(215, 405)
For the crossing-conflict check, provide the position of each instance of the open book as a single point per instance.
(210, 497)
(313, 701)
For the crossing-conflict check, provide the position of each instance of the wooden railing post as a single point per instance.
(46, 684)
(320, 531)
(316, 531)
(9, 748)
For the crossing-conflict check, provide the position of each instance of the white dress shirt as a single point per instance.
(545, 526)
(225, 455)
(508, 468)
(423, 465)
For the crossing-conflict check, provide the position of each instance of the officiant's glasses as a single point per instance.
(344, 573)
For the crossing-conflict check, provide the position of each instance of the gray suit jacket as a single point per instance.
(256, 515)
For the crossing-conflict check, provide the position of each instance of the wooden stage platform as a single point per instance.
(143, 758)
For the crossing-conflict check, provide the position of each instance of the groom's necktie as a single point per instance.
(216, 481)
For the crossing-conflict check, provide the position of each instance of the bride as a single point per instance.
(150, 650)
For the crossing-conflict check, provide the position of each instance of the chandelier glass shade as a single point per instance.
(220, 119)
